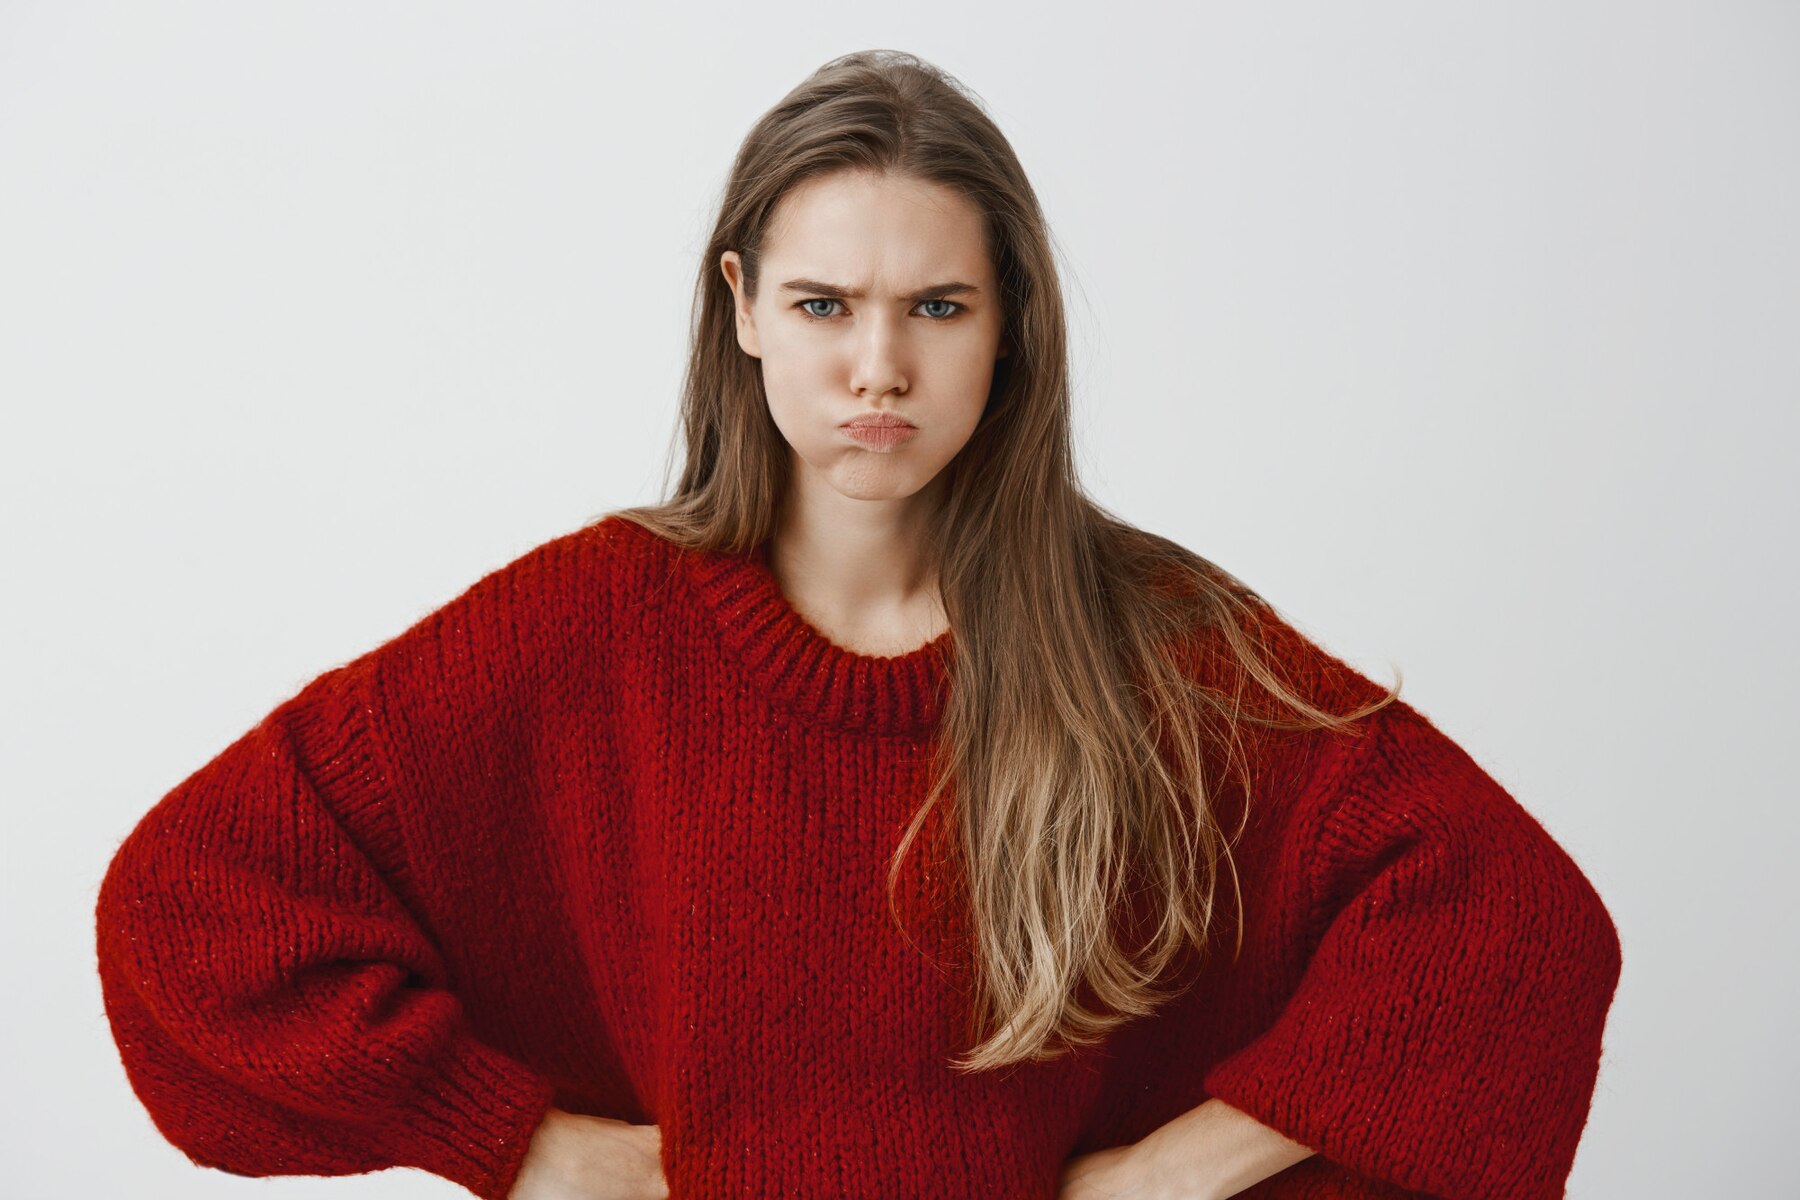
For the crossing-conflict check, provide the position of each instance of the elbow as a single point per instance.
(1586, 940)
(1607, 953)
(1593, 929)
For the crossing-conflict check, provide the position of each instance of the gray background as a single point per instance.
(1466, 333)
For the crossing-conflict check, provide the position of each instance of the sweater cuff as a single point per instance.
(473, 1118)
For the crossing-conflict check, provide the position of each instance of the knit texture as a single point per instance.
(610, 830)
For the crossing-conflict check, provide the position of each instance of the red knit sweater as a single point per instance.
(610, 830)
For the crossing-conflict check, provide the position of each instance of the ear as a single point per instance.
(732, 266)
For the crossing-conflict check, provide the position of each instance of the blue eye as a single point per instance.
(810, 315)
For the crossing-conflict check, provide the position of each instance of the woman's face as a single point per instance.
(875, 296)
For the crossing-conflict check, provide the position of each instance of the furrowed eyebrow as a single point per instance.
(936, 291)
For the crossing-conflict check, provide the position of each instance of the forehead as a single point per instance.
(859, 229)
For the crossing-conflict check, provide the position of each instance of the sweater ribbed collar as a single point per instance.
(803, 670)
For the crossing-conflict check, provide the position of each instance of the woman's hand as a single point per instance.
(1116, 1173)
(575, 1157)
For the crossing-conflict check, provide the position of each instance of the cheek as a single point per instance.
(796, 408)
(793, 396)
(969, 374)
(795, 363)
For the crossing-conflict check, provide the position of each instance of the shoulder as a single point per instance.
(1409, 780)
(546, 610)
(590, 561)
(1231, 632)
(574, 576)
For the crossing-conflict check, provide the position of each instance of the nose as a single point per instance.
(878, 363)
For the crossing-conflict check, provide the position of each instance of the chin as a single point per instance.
(872, 482)
(872, 492)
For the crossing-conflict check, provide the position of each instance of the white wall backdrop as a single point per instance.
(1469, 334)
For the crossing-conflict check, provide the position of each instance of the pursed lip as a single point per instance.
(879, 421)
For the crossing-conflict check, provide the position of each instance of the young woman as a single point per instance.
(876, 817)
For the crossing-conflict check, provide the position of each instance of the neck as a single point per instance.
(859, 571)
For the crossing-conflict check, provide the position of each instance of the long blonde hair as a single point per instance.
(1084, 780)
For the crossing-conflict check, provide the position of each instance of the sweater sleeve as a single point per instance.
(277, 1009)
(1445, 1036)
